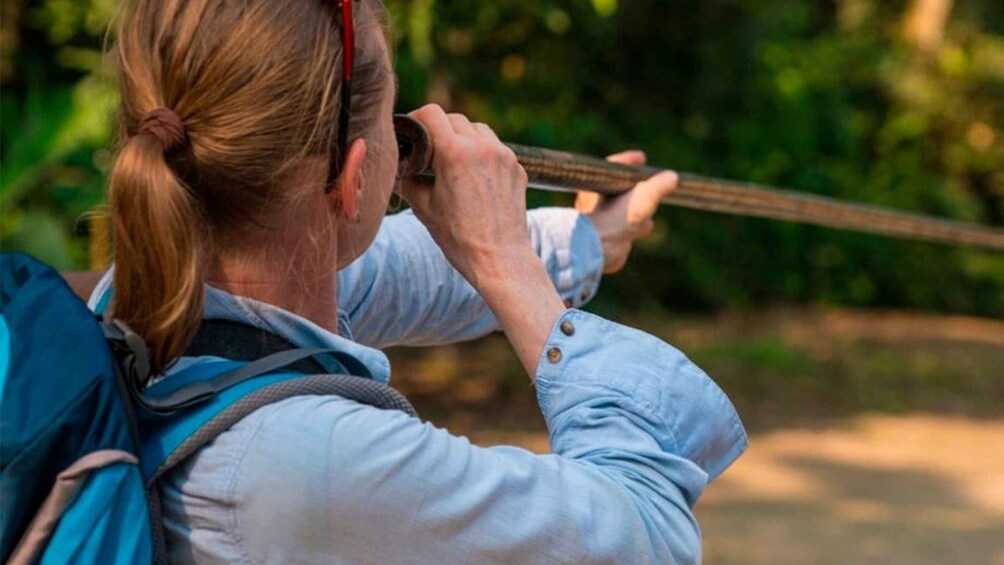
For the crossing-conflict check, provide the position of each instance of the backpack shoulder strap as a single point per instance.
(169, 440)
(183, 413)
(180, 414)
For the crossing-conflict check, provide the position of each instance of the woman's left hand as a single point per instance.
(622, 219)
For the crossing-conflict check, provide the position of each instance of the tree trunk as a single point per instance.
(924, 24)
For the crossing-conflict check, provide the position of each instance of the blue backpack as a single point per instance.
(84, 440)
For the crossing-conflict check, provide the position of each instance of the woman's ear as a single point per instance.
(349, 190)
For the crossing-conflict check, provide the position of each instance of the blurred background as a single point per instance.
(869, 371)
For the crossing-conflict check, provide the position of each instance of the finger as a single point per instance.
(461, 124)
(633, 157)
(655, 189)
(415, 192)
(436, 123)
(586, 202)
(485, 131)
(664, 183)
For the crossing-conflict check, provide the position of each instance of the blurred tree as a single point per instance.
(55, 124)
(898, 103)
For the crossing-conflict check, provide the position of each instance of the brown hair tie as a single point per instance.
(166, 126)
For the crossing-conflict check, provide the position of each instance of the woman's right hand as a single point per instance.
(476, 210)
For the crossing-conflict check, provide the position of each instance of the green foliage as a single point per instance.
(55, 126)
(830, 98)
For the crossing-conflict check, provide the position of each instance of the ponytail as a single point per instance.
(257, 83)
(159, 233)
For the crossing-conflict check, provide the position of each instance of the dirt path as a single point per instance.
(877, 489)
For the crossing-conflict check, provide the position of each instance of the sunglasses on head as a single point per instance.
(348, 62)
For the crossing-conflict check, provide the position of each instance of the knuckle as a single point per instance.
(508, 153)
(451, 154)
(521, 175)
(470, 145)
(507, 156)
(428, 110)
(457, 150)
(481, 150)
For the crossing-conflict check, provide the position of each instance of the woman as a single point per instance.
(222, 209)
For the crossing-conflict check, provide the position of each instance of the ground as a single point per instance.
(875, 437)
(871, 489)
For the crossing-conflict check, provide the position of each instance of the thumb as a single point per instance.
(653, 190)
(416, 193)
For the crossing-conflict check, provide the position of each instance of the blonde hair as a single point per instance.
(256, 85)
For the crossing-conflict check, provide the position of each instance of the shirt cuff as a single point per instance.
(568, 244)
(589, 358)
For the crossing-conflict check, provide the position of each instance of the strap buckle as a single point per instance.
(131, 353)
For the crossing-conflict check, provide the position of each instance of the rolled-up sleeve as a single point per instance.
(596, 370)
(636, 430)
(403, 290)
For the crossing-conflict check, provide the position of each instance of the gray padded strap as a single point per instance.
(159, 541)
(204, 390)
(362, 390)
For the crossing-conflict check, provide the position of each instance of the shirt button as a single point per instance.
(567, 328)
(554, 355)
(568, 303)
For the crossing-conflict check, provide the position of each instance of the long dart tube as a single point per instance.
(548, 169)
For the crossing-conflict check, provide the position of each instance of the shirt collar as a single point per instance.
(297, 330)
(221, 305)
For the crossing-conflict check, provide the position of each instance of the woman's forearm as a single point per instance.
(519, 291)
(404, 291)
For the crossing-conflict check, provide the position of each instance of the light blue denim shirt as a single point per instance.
(637, 431)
